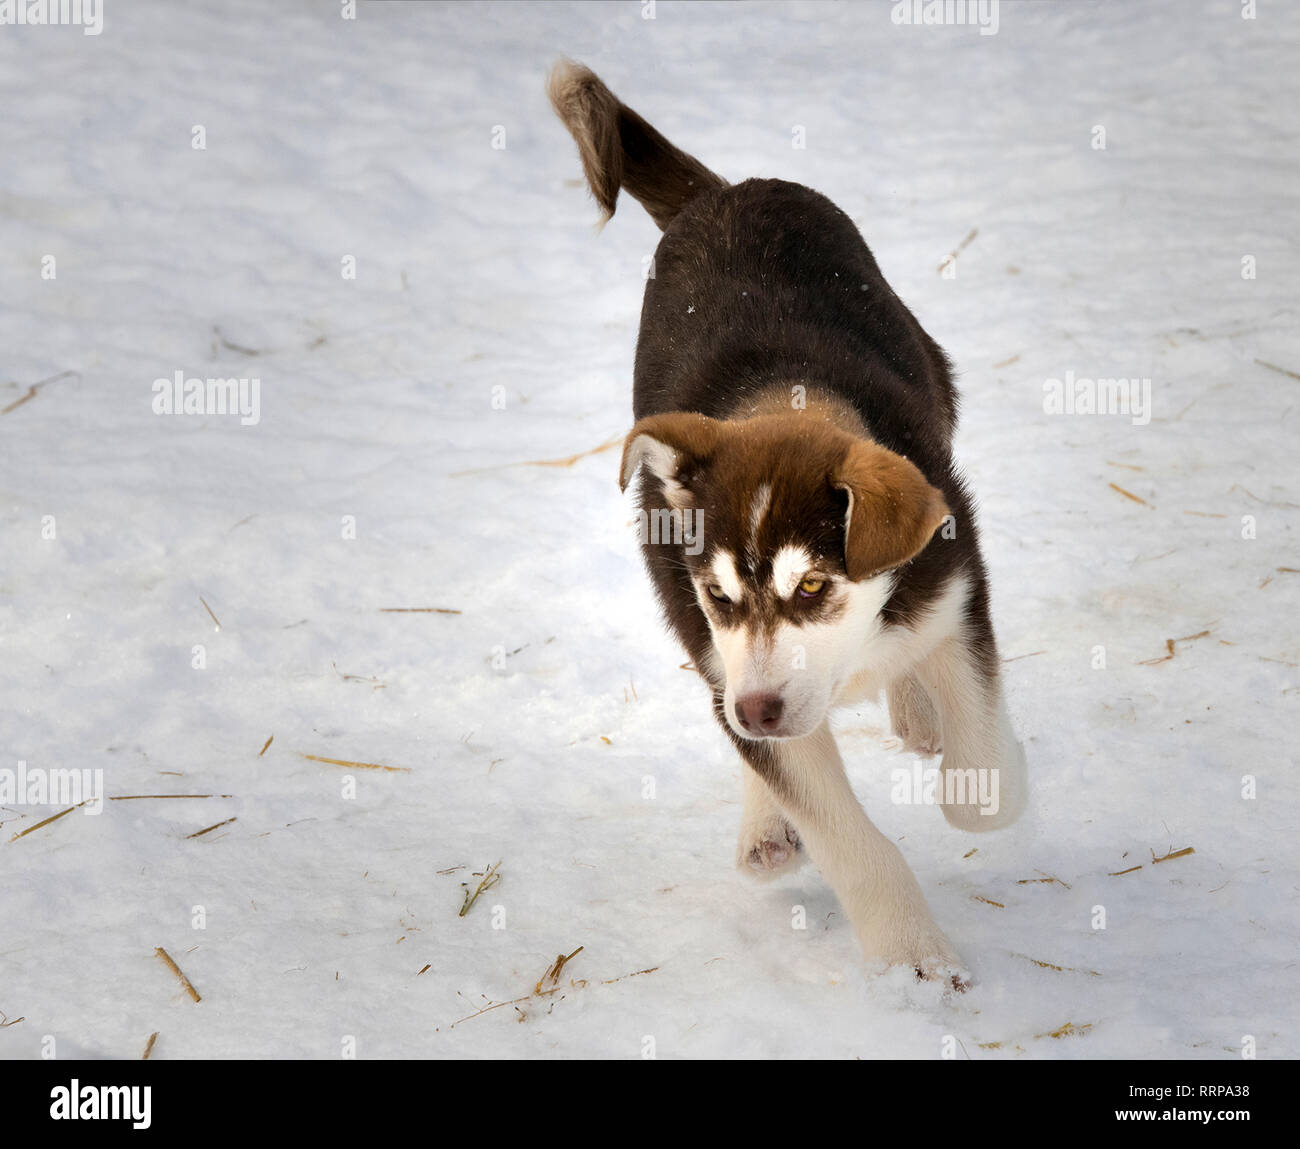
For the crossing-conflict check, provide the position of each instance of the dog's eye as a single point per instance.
(715, 592)
(812, 587)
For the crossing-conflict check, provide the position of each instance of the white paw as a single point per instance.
(914, 718)
(920, 945)
(769, 848)
(905, 933)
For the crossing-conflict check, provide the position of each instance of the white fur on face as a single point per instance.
(818, 665)
(757, 509)
(725, 576)
(788, 569)
(807, 666)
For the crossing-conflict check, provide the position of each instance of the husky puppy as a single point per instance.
(793, 414)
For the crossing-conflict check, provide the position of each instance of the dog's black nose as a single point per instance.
(760, 713)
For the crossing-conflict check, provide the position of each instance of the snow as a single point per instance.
(534, 722)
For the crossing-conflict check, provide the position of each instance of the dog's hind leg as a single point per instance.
(913, 716)
(983, 773)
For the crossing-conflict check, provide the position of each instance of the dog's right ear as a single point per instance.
(667, 444)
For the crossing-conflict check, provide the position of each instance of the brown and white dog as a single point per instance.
(818, 546)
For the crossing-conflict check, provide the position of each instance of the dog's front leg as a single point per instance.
(865, 869)
(983, 773)
(768, 845)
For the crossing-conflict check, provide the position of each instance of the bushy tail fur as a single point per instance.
(619, 149)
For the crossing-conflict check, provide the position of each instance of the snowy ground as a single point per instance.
(529, 721)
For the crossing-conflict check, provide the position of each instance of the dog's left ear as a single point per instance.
(667, 444)
(892, 510)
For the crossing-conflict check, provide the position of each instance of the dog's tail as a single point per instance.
(619, 149)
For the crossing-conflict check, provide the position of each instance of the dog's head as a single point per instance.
(797, 529)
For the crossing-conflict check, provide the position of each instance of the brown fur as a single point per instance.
(759, 287)
(619, 149)
(894, 511)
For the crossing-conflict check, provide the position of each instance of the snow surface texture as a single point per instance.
(534, 721)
